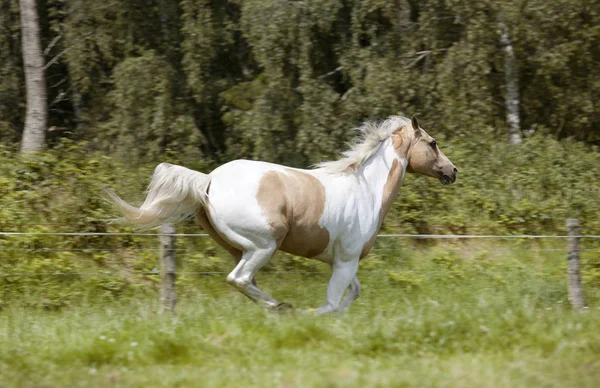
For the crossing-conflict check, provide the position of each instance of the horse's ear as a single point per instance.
(414, 121)
(415, 124)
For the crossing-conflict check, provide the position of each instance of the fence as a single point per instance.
(167, 254)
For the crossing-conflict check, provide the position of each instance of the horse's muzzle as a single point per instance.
(449, 179)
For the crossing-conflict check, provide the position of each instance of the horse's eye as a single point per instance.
(433, 144)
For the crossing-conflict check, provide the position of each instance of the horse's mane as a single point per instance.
(371, 134)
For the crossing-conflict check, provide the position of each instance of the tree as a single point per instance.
(256, 79)
(512, 97)
(34, 133)
(12, 91)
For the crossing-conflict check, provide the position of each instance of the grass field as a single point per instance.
(469, 319)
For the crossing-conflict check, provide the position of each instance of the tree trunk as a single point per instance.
(512, 98)
(34, 133)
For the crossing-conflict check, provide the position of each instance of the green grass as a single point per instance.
(470, 318)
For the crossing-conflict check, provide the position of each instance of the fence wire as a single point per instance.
(9, 234)
(394, 235)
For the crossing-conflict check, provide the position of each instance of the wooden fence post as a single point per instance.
(573, 266)
(168, 294)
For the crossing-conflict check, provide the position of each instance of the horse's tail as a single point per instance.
(174, 193)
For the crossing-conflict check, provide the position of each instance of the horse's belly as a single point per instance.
(306, 241)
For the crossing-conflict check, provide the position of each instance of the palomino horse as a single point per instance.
(331, 213)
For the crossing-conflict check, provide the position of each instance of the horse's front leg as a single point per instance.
(352, 295)
(343, 274)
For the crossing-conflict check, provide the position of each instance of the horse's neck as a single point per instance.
(383, 174)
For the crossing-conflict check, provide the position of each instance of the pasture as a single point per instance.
(446, 315)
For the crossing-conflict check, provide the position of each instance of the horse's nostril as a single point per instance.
(455, 170)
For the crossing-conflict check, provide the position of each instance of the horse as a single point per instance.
(332, 212)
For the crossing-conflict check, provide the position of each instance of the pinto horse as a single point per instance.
(331, 213)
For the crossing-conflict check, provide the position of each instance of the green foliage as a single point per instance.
(590, 263)
(146, 121)
(284, 81)
(208, 34)
(472, 332)
(61, 191)
(406, 280)
(12, 93)
(532, 188)
(560, 36)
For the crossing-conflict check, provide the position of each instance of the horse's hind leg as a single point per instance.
(204, 221)
(243, 275)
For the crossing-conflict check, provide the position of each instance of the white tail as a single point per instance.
(174, 193)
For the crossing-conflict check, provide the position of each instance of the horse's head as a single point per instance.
(425, 158)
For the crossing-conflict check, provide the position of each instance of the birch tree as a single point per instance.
(512, 97)
(34, 132)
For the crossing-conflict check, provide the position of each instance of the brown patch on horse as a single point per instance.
(390, 190)
(204, 221)
(293, 203)
(397, 140)
(400, 142)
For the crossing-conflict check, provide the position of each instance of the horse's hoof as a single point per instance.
(284, 306)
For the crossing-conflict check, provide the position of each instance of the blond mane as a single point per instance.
(371, 134)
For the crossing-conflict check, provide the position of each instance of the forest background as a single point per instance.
(509, 88)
